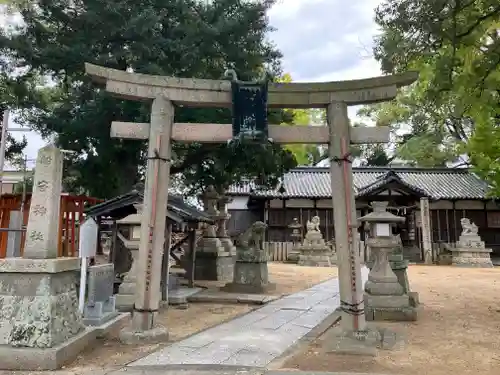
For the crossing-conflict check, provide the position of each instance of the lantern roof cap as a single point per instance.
(381, 215)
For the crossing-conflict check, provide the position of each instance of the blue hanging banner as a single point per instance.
(249, 110)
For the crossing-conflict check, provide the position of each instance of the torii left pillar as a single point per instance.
(147, 296)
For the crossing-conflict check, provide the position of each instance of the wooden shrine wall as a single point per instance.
(71, 212)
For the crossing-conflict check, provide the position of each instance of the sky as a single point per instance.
(321, 40)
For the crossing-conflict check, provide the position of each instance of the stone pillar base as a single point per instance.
(155, 335)
(368, 342)
(470, 257)
(250, 277)
(315, 257)
(39, 317)
(214, 266)
(391, 308)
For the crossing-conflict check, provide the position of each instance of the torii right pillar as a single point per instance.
(353, 336)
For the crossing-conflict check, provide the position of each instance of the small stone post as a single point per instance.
(44, 328)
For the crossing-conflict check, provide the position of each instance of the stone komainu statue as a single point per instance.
(468, 227)
(253, 237)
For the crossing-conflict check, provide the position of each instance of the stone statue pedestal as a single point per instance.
(250, 274)
(40, 325)
(215, 257)
(385, 297)
(314, 252)
(470, 251)
(213, 262)
(250, 270)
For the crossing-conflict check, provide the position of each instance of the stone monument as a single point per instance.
(40, 325)
(314, 251)
(470, 251)
(250, 270)
(213, 261)
(296, 236)
(385, 298)
(100, 306)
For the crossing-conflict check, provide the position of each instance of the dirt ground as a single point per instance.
(110, 353)
(289, 278)
(457, 331)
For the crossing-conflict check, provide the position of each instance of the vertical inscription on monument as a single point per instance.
(43, 222)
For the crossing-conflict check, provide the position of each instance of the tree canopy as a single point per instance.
(185, 38)
(453, 108)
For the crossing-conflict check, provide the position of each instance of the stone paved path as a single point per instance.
(256, 338)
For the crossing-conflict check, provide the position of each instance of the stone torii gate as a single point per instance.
(165, 92)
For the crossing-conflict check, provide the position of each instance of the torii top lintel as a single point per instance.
(196, 92)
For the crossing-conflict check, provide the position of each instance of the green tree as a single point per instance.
(455, 45)
(304, 154)
(186, 38)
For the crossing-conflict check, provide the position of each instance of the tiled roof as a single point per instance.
(436, 183)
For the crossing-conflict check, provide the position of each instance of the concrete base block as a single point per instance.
(110, 325)
(248, 288)
(366, 343)
(479, 258)
(391, 308)
(125, 302)
(180, 296)
(315, 257)
(406, 314)
(35, 359)
(156, 335)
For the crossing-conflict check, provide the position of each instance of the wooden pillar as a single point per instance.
(114, 238)
(147, 295)
(165, 262)
(344, 214)
(192, 249)
(425, 226)
(454, 217)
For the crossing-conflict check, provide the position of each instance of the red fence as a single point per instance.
(71, 213)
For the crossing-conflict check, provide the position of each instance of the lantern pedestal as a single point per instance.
(385, 298)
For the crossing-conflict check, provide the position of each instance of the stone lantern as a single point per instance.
(385, 298)
(296, 236)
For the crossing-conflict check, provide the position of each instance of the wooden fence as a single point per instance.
(71, 212)
(278, 251)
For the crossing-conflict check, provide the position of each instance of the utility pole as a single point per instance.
(3, 143)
